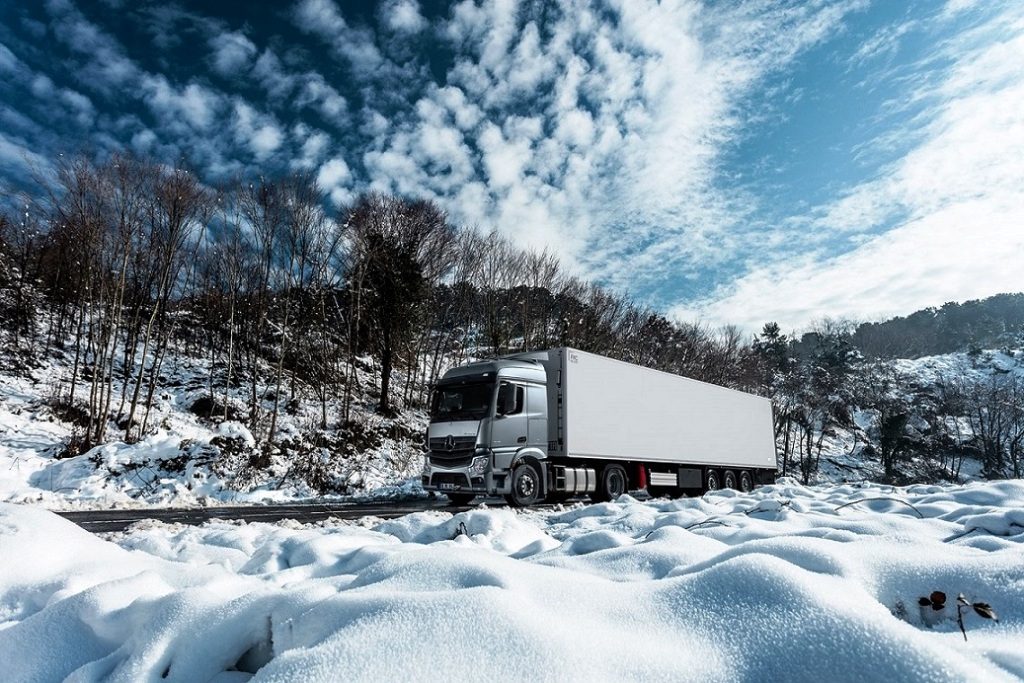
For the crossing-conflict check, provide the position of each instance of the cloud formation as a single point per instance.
(700, 156)
(941, 222)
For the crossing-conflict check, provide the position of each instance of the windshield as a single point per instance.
(461, 402)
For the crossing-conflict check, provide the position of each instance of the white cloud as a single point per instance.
(312, 145)
(964, 251)
(960, 190)
(316, 91)
(232, 52)
(106, 66)
(320, 16)
(335, 177)
(17, 156)
(8, 61)
(195, 104)
(274, 77)
(323, 18)
(403, 16)
(260, 132)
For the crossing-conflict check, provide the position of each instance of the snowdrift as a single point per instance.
(787, 583)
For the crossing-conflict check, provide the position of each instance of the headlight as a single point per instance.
(426, 466)
(479, 465)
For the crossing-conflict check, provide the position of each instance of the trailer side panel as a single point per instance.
(613, 410)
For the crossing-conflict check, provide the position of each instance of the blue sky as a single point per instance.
(733, 162)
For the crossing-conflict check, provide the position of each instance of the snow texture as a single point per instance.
(184, 459)
(787, 583)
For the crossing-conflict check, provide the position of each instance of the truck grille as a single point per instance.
(457, 443)
(453, 459)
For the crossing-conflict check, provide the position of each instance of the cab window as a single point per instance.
(511, 399)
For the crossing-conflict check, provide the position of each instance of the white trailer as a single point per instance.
(613, 410)
(562, 422)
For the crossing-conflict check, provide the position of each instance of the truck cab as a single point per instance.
(488, 432)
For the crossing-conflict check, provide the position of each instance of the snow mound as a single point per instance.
(786, 583)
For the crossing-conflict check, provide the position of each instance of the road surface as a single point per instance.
(100, 521)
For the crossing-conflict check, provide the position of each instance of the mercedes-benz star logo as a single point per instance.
(449, 442)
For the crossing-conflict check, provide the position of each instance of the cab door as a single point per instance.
(510, 428)
(537, 416)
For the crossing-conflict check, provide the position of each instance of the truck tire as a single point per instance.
(611, 484)
(525, 486)
(729, 480)
(460, 498)
(746, 482)
(712, 481)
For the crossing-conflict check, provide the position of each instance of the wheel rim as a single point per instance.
(729, 480)
(713, 482)
(746, 485)
(526, 485)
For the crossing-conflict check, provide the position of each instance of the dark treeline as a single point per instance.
(125, 263)
(995, 322)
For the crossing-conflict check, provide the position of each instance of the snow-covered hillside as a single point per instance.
(787, 583)
(846, 454)
(187, 458)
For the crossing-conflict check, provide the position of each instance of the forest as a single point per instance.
(124, 263)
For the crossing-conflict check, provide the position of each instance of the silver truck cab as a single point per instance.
(488, 432)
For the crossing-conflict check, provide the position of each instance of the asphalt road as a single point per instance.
(100, 521)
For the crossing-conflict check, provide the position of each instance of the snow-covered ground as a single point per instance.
(786, 583)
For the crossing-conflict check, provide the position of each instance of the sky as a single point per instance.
(729, 162)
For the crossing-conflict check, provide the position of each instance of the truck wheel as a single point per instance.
(460, 498)
(711, 481)
(611, 485)
(525, 486)
(729, 480)
(746, 482)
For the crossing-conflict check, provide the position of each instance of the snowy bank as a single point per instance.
(787, 583)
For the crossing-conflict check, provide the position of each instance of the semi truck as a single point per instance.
(552, 425)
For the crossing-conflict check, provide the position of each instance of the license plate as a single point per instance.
(446, 487)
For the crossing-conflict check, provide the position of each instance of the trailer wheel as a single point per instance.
(611, 484)
(460, 498)
(746, 482)
(729, 480)
(525, 486)
(711, 481)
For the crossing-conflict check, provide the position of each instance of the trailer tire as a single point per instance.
(729, 480)
(746, 482)
(460, 498)
(526, 486)
(611, 484)
(712, 482)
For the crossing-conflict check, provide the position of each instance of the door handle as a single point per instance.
(521, 439)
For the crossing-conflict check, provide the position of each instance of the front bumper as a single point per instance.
(462, 480)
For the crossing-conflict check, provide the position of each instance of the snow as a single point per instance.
(186, 460)
(785, 583)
